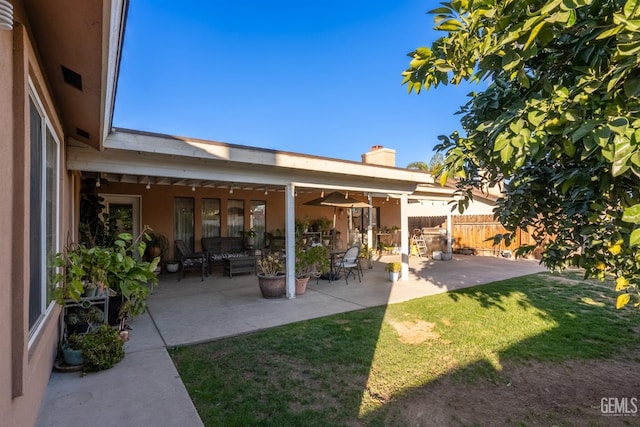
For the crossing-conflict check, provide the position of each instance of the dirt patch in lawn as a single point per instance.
(532, 394)
(415, 332)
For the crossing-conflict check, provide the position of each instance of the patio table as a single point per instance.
(333, 257)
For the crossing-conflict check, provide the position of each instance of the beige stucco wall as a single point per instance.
(157, 207)
(6, 181)
(25, 365)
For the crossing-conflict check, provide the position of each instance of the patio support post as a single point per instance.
(404, 236)
(370, 225)
(290, 239)
(449, 237)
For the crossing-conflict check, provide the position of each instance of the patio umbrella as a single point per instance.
(337, 200)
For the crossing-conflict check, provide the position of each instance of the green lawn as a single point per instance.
(350, 369)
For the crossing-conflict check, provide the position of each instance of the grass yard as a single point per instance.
(536, 350)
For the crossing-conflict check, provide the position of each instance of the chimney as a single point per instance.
(378, 155)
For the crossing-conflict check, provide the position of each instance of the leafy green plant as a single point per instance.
(322, 224)
(118, 267)
(312, 261)
(102, 348)
(301, 227)
(74, 341)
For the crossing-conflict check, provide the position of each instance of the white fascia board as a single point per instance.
(211, 150)
(114, 14)
(82, 157)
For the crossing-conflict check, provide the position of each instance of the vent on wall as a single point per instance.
(71, 78)
(83, 133)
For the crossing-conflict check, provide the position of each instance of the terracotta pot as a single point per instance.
(155, 251)
(301, 285)
(272, 286)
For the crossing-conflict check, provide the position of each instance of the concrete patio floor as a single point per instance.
(145, 388)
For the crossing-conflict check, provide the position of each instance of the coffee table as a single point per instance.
(242, 264)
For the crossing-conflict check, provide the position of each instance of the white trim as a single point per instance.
(253, 156)
(135, 200)
(114, 15)
(46, 129)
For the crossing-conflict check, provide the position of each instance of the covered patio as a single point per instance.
(192, 311)
(214, 189)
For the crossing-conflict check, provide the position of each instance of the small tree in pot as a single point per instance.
(310, 262)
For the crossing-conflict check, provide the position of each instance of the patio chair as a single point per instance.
(190, 261)
(349, 263)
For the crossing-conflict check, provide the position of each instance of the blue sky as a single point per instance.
(315, 77)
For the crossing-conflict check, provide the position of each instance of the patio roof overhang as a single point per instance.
(142, 157)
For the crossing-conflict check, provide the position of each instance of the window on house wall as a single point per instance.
(210, 217)
(43, 210)
(183, 212)
(258, 220)
(235, 217)
(360, 218)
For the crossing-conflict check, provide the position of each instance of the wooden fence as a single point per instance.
(472, 231)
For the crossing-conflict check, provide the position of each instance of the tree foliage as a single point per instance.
(558, 123)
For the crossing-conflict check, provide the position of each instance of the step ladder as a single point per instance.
(419, 242)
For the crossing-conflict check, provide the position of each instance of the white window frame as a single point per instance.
(45, 306)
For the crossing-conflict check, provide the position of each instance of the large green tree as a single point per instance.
(558, 124)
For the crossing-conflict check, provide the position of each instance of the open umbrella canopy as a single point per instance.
(338, 199)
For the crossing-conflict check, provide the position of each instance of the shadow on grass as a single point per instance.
(372, 367)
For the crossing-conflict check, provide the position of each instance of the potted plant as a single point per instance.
(394, 270)
(249, 238)
(301, 227)
(157, 245)
(172, 265)
(118, 267)
(72, 350)
(268, 238)
(322, 224)
(271, 280)
(367, 255)
(310, 262)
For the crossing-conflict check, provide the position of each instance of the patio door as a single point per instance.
(125, 210)
(258, 220)
(184, 221)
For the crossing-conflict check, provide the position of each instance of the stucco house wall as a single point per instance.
(26, 360)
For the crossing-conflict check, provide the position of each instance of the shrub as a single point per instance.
(102, 348)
